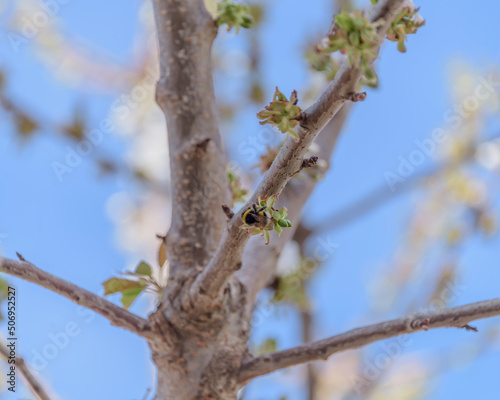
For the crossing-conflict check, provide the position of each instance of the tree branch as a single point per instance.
(185, 93)
(227, 258)
(457, 317)
(31, 382)
(259, 261)
(116, 315)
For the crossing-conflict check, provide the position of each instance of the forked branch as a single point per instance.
(289, 160)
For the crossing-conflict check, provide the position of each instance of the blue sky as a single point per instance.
(63, 227)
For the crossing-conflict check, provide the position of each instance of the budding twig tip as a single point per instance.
(355, 97)
(229, 213)
(309, 162)
(468, 327)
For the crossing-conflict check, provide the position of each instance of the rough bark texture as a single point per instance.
(201, 349)
(198, 166)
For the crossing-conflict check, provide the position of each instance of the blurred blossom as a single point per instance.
(137, 222)
(4, 4)
(488, 154)
(73, 60)
(408, 379)
(149, 149)
(338, 376)
(494, 337)
(289, 260)
(464, 80)
(119, 207)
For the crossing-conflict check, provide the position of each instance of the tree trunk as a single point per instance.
(200, 352)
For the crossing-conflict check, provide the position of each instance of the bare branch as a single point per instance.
(458, 317)
(197, 159)
(288, 161)
(116, 315)
(31, 382)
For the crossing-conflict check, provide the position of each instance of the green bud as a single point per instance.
(283, 223)
(234, 15)
(281, 112)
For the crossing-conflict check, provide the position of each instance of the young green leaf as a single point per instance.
(234, 15)
(128, 296)
(267, 346)
(271, 201)
(116, 285)
(143, 269)
(283, 113)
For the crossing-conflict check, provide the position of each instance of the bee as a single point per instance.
(257, 217)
